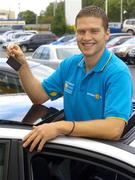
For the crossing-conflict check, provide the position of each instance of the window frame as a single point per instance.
(90, 157)
(6, 158)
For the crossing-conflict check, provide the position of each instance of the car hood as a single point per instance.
(14, 107)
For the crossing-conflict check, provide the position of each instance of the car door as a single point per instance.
(63, 162)
(11, 160)
(34, 42)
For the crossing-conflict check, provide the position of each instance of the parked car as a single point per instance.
(4, 36)
(9, 81)
(129, 26)
(63, 158)
(63, 39)
(131, 55)
(113, 35)
(122, 50)
(18, 37)
(115, 27)
(117, 41)
(52, 55)
(36, 40)
(71, 42)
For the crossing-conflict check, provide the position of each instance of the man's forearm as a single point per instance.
(101, 129)
(31, 85)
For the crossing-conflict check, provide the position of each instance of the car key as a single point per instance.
(13, 63)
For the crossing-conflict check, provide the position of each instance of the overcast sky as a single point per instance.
(22, 5)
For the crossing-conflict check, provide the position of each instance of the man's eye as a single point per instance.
(81, 32)
(94, 31)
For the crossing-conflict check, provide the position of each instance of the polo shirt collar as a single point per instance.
(102, 63)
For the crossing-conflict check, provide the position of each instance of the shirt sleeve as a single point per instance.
(118, 96)
(54, 85)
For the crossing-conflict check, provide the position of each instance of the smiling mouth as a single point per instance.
(88, 45)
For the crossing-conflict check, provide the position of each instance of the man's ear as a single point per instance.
(107, 35)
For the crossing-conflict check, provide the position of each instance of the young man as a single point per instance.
(96, 85)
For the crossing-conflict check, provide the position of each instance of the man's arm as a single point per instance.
(109, 129)
(30, 84)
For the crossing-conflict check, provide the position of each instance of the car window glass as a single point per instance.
(34, 38)
(37, 53)
(130, 41)
(129, 22)
(66, 52)
(58, 168)
(2, 155)
(9, 83)
(113, 41)
(45, 53)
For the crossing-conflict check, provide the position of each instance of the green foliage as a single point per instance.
(114, 8)
(45, 19)
(28, 16)
(58, 25)
(70, 29)
(50, 10)
(100, 3)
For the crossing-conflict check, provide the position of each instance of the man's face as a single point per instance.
(91, 36)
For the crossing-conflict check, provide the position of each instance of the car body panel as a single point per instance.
(80, 143)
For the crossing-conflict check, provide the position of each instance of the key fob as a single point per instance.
(13, 63)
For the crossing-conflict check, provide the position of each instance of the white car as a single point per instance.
(9, 80)
(64, 158)
(52, 55)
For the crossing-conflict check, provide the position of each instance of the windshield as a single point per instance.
(63, 53)
(130, 41)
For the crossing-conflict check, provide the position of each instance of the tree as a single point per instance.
(58, 25)
(114, 8)
(28, 16)
(46, 17)
(100, 3)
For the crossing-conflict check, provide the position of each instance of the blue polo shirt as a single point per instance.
(103, 92)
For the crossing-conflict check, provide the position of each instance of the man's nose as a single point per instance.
(87, 35)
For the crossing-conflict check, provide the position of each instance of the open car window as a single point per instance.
(66, 163)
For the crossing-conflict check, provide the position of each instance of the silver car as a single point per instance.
(52, 55)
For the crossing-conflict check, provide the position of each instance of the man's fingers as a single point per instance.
(35, 142)
(41, 144)
(29, 138)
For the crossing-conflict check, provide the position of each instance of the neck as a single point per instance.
(91, 61)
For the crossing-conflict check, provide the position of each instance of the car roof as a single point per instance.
(100, 147)
(59, 46)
